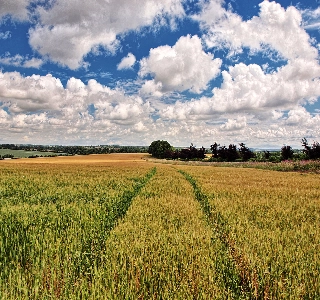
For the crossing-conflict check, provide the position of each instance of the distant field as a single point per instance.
(117, 226)
(22, 153)
(84, 159)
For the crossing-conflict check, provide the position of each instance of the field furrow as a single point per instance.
(233, 270)
(52, 239)
(273, 220)
(163, 248)
(116, 227)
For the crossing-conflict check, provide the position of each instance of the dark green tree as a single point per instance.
(232, 153)
(159, 149)
(245, 152)
(286, 152)
(226, 154)
(312, 152)
(214, 149)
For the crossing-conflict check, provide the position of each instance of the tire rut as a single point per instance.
(235, 270)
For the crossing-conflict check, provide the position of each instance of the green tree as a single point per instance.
(286, 152)
(312, 152)
(245, 152)
(159, 149)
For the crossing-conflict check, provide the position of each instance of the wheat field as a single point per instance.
(120, 227)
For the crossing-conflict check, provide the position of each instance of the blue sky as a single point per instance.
(130, 72)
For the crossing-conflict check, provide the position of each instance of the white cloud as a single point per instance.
(313, 26)
(248, 89)
(139, 127)
(299, 116)
(311, 19)
(253, 104)
(21, 61)
(66, 35)
(234, 124)
(16, 8)
(151, 88)
(33, 104)
(4, 118)
(5, 35)
(127, 62)
(33, 63)
(184, 66)
(275, 28)
(11, 60)
(31, 94)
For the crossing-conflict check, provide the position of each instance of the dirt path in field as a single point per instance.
(245, 281)
(162, 249)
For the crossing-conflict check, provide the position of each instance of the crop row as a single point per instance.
(163, 249)
(125, 230)
(236, 277)
(271, 220)
(52, 245)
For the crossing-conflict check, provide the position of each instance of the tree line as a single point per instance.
(75, 150)
(162, 149)
(231, 153)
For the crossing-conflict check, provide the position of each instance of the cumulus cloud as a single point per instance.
(184, 66)
(66, 35)
(247, 89)
(299, 116)
(139, 127)
(276, 28)
(253, 104)
(234, 124)
(4, 118)
(85, 113)
(127, 62)
(21, 61)
(151, 88)
(32, 94)
(17, 9)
